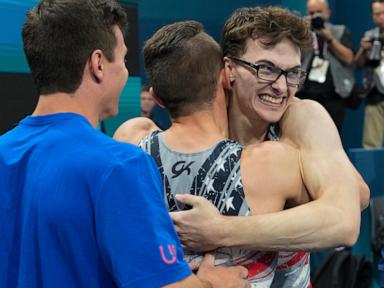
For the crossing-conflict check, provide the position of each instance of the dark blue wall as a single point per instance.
(153, 14)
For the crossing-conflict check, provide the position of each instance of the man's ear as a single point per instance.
(229, 78)
(157, 99)
(97, 65)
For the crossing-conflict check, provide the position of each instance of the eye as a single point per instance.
(294, 73)
(268, 69)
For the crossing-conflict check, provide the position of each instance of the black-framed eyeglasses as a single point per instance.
(294, 77)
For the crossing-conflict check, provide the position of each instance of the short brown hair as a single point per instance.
(376, 1)
(60, 35)
(183, 64)
(268, 24)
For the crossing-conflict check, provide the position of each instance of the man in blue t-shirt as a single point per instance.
(78, 209)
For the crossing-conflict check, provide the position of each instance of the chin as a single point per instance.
(271, 116)
(109, 114)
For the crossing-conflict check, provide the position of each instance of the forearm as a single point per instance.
(309, 227)
(343, 53)
(360, 58)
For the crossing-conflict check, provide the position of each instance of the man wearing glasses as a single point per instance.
(262, 74)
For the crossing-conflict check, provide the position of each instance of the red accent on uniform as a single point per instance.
(294, 260)
(261, 265)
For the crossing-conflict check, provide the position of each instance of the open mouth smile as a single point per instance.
(270, 100)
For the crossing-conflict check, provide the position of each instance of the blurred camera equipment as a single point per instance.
(374, 54)
(317, 21)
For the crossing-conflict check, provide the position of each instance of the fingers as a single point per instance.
(194, 265)
(246, 284)
(188, 199)
(209, 260)
(176, 216)
(243, 272)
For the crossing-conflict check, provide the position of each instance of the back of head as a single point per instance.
(60, 35)
(270, 25)
(376, 1)
(183, 64)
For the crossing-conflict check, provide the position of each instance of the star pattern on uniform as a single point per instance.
(208, 182)
(220, 164)
(229, 203)
(234, 152)
(238, 183)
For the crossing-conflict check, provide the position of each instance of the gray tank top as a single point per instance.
(215, 175)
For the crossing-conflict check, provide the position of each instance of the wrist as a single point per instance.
(227, 232)
(330, 40)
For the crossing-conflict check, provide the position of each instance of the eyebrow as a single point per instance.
(265, 61)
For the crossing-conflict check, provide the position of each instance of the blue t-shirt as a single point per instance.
(78, 209)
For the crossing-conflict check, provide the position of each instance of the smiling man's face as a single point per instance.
(265, 100)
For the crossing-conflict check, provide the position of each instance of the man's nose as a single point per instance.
(280, 83)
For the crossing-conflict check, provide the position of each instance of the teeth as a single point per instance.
(270, 99)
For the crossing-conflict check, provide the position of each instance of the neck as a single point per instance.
(63, 102)
(246, 130)
(197, 131)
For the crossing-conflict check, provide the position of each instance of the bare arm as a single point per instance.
(133, 130)
(317, 137)
(332, 219)
(342, 52)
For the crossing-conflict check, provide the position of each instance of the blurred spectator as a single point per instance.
(152, 110)
(147, 101)
(328, 63)
(161, 117)
(370, 55)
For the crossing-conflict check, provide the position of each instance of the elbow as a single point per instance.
(350, 232)
(349, 59)
(364, 195)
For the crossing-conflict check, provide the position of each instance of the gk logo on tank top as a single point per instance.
(179, 167)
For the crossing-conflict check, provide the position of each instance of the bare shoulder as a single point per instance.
(272, 170)
(133, 130)
(306, 124)
(300, 111)
(270, 155)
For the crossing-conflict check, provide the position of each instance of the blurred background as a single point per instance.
(146, 16)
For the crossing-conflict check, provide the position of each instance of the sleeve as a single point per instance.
(136, 237)
(347, 40)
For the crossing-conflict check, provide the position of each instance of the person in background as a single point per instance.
(329, 62)
(147, 101)
(72, 198)
(370, 56)
(153, 110)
